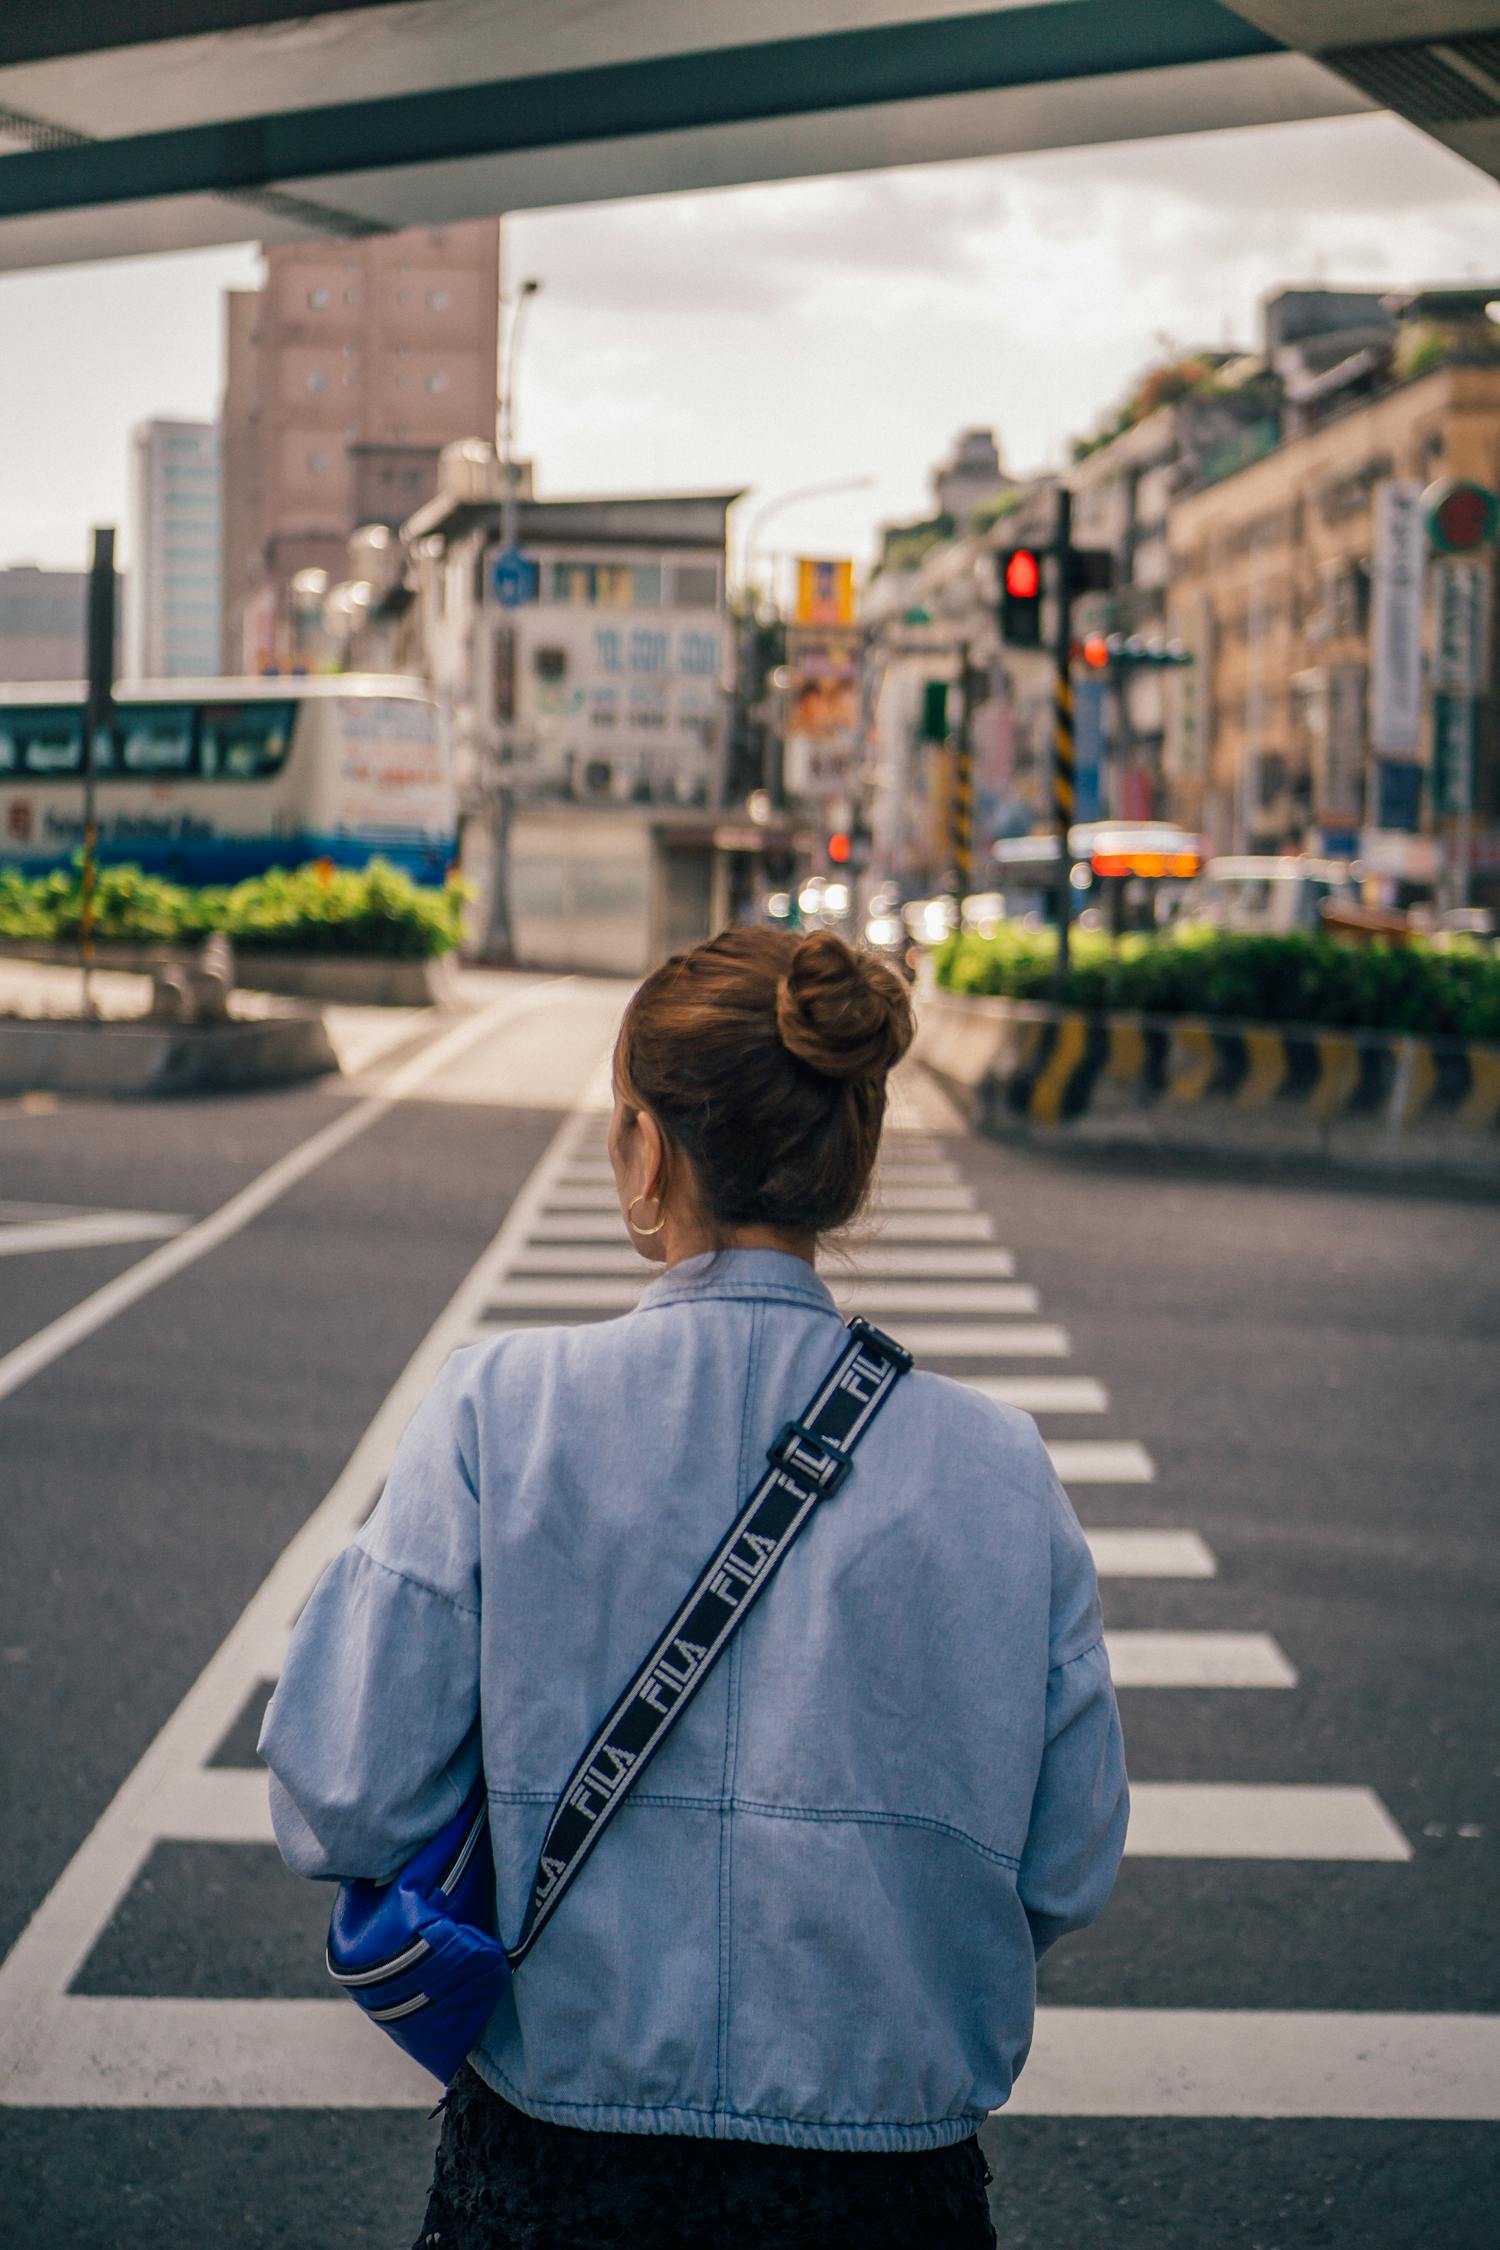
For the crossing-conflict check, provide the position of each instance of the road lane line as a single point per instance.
(900, 1226)
(1248, 2062)
(1260, 1820)
(94, 1230)
(1139, 1553)
(592, 1294)
(837, 1268)
(1102, 1461)
(1148, 1659)
(600, 1196)
(118, 2053)
(160, 1265)
(961, 1339)
(1042, 1394)
(37, 1971)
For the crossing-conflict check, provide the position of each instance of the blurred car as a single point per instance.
(1273, 893)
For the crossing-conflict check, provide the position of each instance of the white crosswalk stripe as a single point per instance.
(927, 1254)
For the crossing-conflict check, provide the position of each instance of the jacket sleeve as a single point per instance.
(372, 1735)
(1081, 1804)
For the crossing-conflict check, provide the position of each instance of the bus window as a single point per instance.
(243, 741)
(41, 739)
(155, 738)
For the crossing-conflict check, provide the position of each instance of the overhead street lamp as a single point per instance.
(781, 500)
(527, 290)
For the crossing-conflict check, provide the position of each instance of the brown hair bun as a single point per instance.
(844, 1014)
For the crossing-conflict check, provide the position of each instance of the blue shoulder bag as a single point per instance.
(422, 1954)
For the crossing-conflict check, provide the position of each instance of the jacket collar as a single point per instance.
(773, 1274)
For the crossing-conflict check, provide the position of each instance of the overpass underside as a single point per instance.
(172, 124)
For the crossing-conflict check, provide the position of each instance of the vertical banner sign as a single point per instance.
(1396, 618)
(1088, 747)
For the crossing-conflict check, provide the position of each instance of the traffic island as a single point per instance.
(1022, 1070)
(185, 1032)
(351, 980)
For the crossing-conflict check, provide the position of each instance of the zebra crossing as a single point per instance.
(925, 1251)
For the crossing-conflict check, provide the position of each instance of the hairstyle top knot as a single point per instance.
(844, 1014)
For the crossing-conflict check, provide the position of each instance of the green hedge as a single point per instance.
(1199, 972)
(314, 909)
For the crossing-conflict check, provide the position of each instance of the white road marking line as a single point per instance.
(1138, 1553)
(935, 1174)
(86, 1318)
(1102, 1461)
(97, 1230)
(1249, 2062)
(1259, 1820)
(837, 1269)
(601, 1196)
(216, 1804)
(173, 1776)
(611, 1295)
(963, 1339)
(1086, 2062)
(900, 1226)
(1043, 1394)
(1144, 1659)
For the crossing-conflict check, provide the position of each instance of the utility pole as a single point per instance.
(98, 713)
(961, 821)
(1063, 775)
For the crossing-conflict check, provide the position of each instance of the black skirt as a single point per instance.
(506, 2181)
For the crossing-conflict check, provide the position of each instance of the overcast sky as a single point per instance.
(777, 336)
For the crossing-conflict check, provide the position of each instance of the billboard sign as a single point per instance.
(1396, 618)
(825, 592)
(822, 711)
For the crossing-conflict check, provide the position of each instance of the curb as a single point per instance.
(146, 1059)
(357, 980)
(1026, 1070)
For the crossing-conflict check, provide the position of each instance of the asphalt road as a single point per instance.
(1299, 1376)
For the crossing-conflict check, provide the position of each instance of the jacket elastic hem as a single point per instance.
(882, 2137)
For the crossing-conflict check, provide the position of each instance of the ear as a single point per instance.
(653, 1154)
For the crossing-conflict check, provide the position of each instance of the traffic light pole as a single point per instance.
(1063, 771)
(962, 822)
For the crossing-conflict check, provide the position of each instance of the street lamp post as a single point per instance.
(497, 940)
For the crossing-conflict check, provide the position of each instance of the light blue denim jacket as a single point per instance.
(816, 1919)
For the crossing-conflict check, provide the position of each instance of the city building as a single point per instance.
(172, 604)
(971, 477)
(1280, 734)
(346, 374)
(43, 623)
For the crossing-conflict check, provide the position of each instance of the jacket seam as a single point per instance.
(754, 2116)
(864, 1816)
(421, 1586)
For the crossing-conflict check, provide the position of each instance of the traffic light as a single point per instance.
(1021, 598)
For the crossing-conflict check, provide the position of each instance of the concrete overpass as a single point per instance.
(176, 123)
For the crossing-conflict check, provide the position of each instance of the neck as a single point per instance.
(689, 1241)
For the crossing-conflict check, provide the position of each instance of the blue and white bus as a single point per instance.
(207, 781)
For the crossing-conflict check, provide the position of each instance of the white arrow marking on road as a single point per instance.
(85, 1230)
(1144, 1659)
(1139, 1553)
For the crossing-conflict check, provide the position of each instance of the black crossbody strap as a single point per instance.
(809, 1460)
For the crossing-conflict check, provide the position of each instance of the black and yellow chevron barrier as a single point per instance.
(1029, 1066)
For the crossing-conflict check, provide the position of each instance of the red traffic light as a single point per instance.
(1096, 651)
(839, 848)
(1023, 574)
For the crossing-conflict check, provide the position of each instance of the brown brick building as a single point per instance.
(345, 376)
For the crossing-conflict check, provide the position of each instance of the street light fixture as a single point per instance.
(527, 290)
(787, 500)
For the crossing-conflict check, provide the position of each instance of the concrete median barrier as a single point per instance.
(1024, 1070)
(146, 1057)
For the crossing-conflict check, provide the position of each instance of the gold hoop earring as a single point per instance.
(644, 1232)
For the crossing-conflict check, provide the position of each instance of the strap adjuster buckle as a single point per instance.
(886, 1346)
(801, 1450)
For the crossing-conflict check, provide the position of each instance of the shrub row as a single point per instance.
(1250, 979)
(314, 909)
